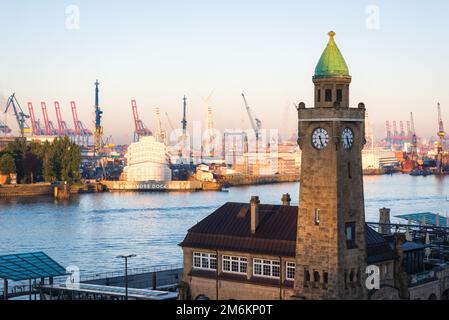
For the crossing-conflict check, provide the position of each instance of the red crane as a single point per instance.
(139, 127)
(401, 123)
(63, 129)
(49, 127)
(389, 134)
(82, 133)
(35, 125)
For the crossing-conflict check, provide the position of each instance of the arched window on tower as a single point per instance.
(316, 279)
(306, 278)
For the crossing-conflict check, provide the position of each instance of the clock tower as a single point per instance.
(331, 249)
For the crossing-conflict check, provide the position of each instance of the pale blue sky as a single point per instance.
(157, 51)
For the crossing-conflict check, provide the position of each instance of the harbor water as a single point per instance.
(89, 231)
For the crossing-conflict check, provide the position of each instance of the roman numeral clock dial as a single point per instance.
(320, 138)
(347, 138)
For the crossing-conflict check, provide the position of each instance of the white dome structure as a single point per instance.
(147, 161)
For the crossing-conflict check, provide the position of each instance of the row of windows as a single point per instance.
(239, 265)
(328, 95)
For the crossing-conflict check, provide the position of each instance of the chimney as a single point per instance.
(254, 214)
(286, 200)
(384, 218)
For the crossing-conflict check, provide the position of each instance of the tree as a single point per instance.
(49, 162)
(31, 164)
(7, 164)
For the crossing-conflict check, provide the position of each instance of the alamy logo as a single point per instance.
(72, 21)
(373, 279)
(373, 19)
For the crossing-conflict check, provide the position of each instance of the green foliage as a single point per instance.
(49, 162)
(7, 164)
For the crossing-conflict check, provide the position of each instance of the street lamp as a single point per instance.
(126, 271)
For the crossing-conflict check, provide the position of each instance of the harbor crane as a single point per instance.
(414, 138)
(255, 122)
(389, 138)
(19, 114)
(183, 148)
(211, 136)
(140, 130)
(81, 131)
(49, 127)
(169, 122)
(98, 136)
(36, 129)
(442, 135)
(161, 132)
(63, 129)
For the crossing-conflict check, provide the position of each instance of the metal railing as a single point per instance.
(90, 276)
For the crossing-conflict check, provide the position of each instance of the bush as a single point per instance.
(7, 164)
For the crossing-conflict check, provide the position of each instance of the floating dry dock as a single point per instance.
(154, 186)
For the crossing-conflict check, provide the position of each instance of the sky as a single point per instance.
(157, 51)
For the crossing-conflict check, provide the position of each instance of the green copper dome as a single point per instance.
(331, 64)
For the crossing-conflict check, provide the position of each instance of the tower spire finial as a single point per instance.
(331, 34)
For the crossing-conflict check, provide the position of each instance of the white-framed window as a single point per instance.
(266, 268)
(204, 261)
(290, 271)
(235, 264)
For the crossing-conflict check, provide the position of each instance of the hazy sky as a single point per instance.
(157, 51)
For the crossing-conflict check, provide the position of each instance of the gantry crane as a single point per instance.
(63, 129)
(442, 135)
(389, 138)
(81, 132)
(36, 129)
(414, 138)
(49, 127)
(140, 130)
(255, 122)
(19, 114)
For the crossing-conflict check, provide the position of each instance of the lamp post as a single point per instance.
(126, 271)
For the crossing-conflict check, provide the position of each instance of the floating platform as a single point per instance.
(153, 186)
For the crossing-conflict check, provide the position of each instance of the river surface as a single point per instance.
(90, 230)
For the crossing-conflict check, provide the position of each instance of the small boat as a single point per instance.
(420, 172)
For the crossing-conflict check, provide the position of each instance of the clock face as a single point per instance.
(320, 138)
(347, 138)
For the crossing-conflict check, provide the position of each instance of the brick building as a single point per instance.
(247, 251)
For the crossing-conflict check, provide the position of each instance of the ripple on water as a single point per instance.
(91, 230)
